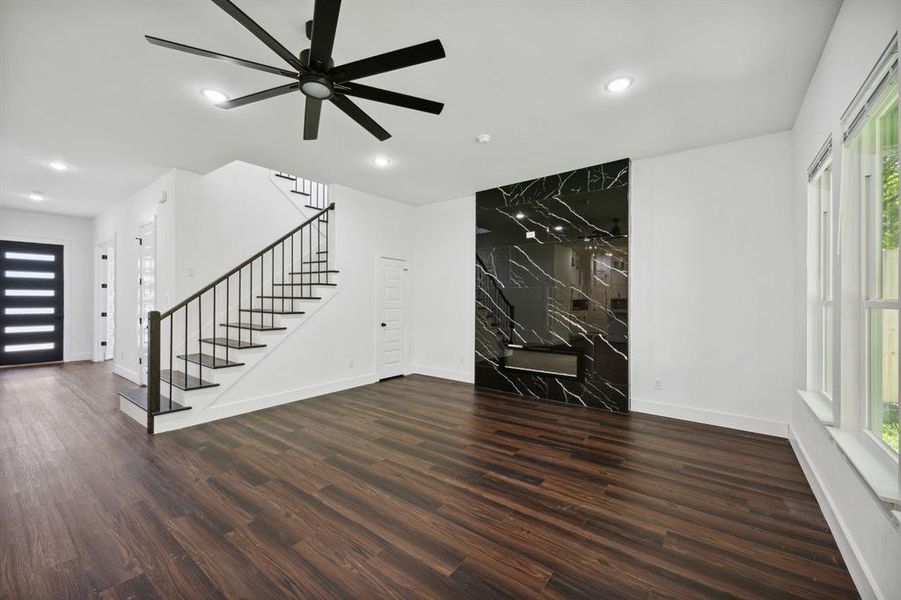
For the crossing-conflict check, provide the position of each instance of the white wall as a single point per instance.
(711, 269)
(224, 217)
(870, 542)
(123, 222)
(443, 289)
(75, 235)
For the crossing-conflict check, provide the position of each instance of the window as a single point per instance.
(880, 150)
(821, 326)
(872, 146)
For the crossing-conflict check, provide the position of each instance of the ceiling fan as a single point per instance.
(315, 74)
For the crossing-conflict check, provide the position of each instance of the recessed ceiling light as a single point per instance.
(214, 96)
(483, 138)
(381, 162)
(619, 84)
(59, 166)
(520, 216)
(558, 228)
(36, 196)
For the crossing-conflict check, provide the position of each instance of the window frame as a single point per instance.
(872, 294)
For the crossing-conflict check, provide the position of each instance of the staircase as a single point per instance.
(203, 344)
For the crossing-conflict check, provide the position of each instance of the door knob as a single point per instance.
(384, 324)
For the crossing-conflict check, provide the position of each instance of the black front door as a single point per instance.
(31, 303)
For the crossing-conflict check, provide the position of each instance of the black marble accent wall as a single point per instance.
(552, 287)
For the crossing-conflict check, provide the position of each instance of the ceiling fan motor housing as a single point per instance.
(315, 84)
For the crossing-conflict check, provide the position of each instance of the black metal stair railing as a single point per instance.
(315, 195)
(490, 296)
(288, 269)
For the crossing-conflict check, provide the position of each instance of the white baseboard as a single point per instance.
(126, 373)
(858, 572)
(215, 412)
(710, 417)
(78, 356)
(463, 376)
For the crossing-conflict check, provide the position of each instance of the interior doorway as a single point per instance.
(146, 240)
(392, 316)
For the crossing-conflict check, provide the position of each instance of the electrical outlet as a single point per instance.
(658, 383)
(350, 364)
(461, 359)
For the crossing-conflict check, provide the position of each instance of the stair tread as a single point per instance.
(253, 326)
(232, 343)
(314, 272)
(269, 311)
(298, 192)
(184, 381)
(138, 397)
(209, 361)
(291, 297)
(299, 283)
(313, 262)
(288, 177)
(315, 207)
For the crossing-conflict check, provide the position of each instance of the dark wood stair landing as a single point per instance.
(138, 397)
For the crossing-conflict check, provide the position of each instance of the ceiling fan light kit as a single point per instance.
(315, 74)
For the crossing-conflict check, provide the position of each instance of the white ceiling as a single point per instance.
(79, 83)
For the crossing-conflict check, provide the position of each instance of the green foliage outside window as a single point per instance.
(889, 150)
(890, 179)
(890, 426)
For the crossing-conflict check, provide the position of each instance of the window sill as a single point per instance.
(819, 405)
(872, 464)
(878, 471)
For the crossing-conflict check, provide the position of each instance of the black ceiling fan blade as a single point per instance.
(265, 94)
(356, 113)
(389, 61)
(325, 23)
(311, 118)
(241, 17)
(210, 54)
(358, 90)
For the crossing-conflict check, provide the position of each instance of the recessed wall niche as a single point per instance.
(552, 287)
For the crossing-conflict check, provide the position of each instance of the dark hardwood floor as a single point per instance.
(412, 488)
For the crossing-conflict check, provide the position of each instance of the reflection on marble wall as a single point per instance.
(552, 275)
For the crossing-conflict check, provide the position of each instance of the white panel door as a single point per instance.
(392, 315)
